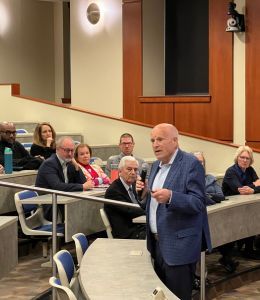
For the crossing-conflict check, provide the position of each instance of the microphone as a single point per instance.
(145, 168)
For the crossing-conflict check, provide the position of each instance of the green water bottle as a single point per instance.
(8, 160)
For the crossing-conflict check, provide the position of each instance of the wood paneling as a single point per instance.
(213, 119)
(132, 71)
(253, 73)
(175, 99)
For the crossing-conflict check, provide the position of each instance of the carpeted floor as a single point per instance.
(30, 281)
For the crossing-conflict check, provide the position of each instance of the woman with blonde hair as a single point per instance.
(43, 141)
(240, 179)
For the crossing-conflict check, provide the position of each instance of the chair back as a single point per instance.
(81, 244)
(106, 223)
(21, 131)
(96, 160)
(63, 292)
(30, 215)
(65, 266)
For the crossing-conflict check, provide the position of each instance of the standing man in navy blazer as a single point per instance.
(177, 225)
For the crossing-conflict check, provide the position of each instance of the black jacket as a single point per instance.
(121, 217)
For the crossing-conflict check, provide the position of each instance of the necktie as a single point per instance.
(132, 195)
(65, 169)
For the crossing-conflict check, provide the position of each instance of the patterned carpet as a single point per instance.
(29, 280)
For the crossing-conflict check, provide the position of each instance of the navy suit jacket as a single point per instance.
(182, 224)
(121, 217)
(50, 175)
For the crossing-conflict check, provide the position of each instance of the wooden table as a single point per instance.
(80, 215)
(232, 219)
(26, 177)
(9, 244)
(115, 269)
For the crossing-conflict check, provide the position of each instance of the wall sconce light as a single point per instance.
(236, 23)
(93, 13)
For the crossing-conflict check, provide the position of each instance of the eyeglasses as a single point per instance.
(8, 132)
(126, 144)
(244, 158)
(67, 150)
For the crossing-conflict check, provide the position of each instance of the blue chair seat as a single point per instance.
(48, 227)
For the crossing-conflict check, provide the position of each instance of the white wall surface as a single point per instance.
(96, 58)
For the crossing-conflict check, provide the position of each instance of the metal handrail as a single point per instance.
(56, 193)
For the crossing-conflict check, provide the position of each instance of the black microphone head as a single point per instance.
(145, 168)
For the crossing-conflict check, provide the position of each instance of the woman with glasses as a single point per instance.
(43, 141)
(92, 172)
(240, 179)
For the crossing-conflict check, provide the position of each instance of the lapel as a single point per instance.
(123, 190)
(172, 172)
(175, 167)
(61, 175)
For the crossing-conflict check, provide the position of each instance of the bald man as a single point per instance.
(21, 157)
(177, 225)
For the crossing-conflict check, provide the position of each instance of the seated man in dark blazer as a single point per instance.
(123, 189)
(61, 172)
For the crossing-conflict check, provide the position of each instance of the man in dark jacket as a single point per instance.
(22, 160)
(123, 189)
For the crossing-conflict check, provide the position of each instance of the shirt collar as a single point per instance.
(125, 184)
(171, 160)
(62, 161)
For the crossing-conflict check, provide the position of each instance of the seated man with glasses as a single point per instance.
(61, 172)
(126, 146)
(22, 160)
(123, 189)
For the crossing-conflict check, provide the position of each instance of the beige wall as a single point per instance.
(153, 48)
(96, 58)
(100, 131)
(26, 52)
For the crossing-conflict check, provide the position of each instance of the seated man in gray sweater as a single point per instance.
(126, 145)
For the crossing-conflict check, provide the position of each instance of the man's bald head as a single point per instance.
(7, 132)
(164, 138)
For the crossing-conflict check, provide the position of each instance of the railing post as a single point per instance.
(54, 239)
(202, 275)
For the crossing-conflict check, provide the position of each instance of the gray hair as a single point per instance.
(62, 139)
(125, 159)
(242, 149)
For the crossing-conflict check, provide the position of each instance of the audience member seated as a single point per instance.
(61, 172)
(240, 179)
(126, 145)
(92, 172)
(22, 160)
(213, 189)
(1, 169)
(43, 141)
(123, 189)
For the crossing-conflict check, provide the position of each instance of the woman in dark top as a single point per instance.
(43, 141)
(240, 179)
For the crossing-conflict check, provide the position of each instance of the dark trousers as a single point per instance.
(178, 279)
